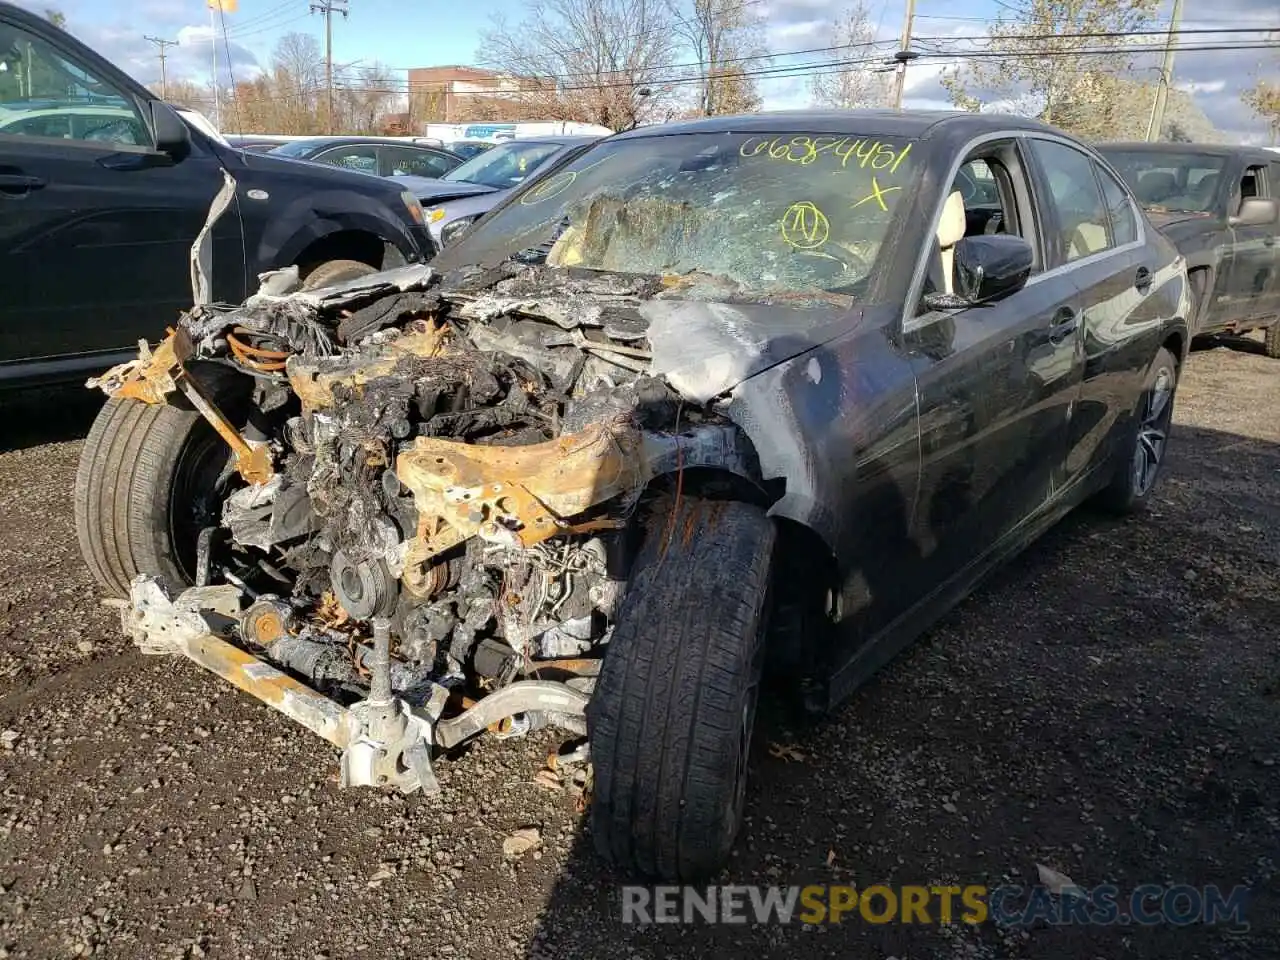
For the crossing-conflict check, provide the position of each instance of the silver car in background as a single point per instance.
(459, 198)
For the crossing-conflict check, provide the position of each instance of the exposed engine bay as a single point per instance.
(423, 512)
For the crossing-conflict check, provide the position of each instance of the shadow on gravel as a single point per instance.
(1077, 711)
(32, 416)
(1241, 343)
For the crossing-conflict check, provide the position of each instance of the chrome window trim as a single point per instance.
(912, 323)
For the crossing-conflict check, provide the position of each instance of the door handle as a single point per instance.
(1268, 241)
(1142, 280)
(1065, 323)
(19, 183)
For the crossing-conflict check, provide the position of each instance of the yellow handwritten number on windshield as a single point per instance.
(804, 226)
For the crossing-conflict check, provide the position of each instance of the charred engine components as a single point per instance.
(364, 589)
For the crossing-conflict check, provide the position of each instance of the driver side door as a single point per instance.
(996, 384)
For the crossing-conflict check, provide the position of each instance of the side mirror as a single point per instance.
(1257, 212)
(990, 267)
(172, 136)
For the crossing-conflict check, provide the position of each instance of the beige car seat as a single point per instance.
(951, 230)
(1086, 238)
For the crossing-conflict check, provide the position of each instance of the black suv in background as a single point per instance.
(104, 190)
(1220, 205)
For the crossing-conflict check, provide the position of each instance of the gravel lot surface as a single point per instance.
(1109, 706)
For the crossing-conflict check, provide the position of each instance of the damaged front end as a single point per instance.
(424, 523)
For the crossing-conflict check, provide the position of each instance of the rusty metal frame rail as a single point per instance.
(297, 701)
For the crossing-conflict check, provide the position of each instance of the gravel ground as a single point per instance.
(1108, 706)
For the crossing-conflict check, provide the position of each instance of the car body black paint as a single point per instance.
(98, 255)
(925, 450)
(1241, 264)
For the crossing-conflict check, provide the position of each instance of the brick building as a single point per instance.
(453, 94)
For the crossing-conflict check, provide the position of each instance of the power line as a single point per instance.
(834, 66)
(329, 8)
(164, 77)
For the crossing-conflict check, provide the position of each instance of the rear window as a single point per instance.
(1185, 182)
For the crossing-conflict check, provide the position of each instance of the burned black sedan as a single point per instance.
(765, 389)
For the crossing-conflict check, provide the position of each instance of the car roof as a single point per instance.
(915, 124)
(1213, 149)
(560, 141)
(337, 139)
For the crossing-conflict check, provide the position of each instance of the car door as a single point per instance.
(1250, 263)
(95, 230)
(1097, 240)
(399, 161)
(996, 384)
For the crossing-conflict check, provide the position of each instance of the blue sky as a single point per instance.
(417, 33)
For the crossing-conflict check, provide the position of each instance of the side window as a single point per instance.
(1076, 198)
(1124, 224)
(403, 161)
(363, 157)
(44, 94)
(1251, 183)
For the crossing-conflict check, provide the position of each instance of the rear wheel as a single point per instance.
(336, 271)
(671, 718)
(147, 484)
(1139, 469)
(1271, 340)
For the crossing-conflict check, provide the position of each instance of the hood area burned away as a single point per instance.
(435, 471)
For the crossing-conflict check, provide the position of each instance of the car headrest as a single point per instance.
(1206, 186)
(952, 226)
(1155, 185)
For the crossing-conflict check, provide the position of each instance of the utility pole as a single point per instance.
(164, 79)
(1156, 123)
(329, 8)
(903, 54)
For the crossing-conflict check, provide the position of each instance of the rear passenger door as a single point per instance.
(1096, 239)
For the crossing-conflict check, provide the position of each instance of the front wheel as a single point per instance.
(147, 484)
(333, 272)
(671, 718)
(1143, 456)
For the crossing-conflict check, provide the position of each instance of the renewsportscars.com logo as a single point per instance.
(1007, 906)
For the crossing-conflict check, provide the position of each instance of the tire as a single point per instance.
(670, 720)
(1137, 473)
(336, 271)
(1271, 340)
(144, 488)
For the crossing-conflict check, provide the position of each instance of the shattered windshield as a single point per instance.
(1182, 182)
(749, 216)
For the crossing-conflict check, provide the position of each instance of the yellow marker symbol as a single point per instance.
(804, 226)
(877, 194)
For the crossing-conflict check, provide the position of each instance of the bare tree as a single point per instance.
(597, 61)
(722, 38)
(1054, 63)
(1263, 98)
(856, 85)
(363, 102)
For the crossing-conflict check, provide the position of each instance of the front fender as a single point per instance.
(317, 215)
